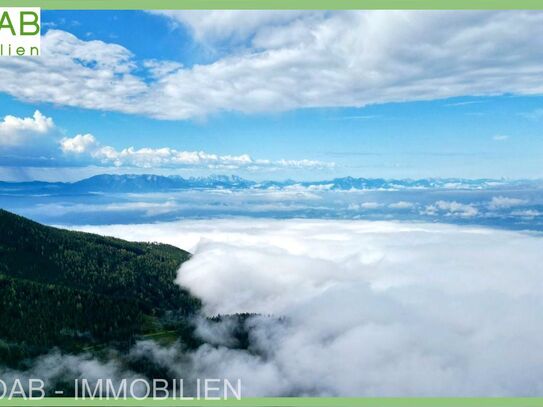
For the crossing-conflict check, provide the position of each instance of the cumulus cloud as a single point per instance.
(35, 138)
(82, 143)
(370, 308)
(15, 131)
(364, 206)
(451, 208)
(88, 146)
(346, 58)
(370, 205)
(504, 202)
(401, 205)
(527, 213)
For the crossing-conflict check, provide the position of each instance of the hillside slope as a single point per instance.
(72, 289)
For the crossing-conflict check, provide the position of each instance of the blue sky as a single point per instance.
(434, 127)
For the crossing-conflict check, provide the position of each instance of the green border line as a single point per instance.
(277, 4)
(282, 402)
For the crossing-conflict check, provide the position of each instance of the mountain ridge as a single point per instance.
(155, 183)
(72, 289)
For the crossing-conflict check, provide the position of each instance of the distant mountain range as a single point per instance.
(157, 183)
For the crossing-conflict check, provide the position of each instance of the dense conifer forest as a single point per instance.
(76, 291)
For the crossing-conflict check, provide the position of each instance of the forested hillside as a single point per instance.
(74, 290)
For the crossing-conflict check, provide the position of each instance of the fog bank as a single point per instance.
(370, 308)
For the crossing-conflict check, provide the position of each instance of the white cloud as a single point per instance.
(370, 205)
(401, 205)
(365, 206)
(15, 131)
(527, 213)
(166, 157)
(74, 72)
(37, 138)
(220, 26)
(452, 208)
(82, 143)
(372, 308)
(160, 69)
(289, 60)
(503, 202)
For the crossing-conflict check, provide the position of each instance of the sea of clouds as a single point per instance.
(503, 207)
(360, 308)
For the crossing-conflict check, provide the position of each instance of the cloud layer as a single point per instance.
(39, 138)
(371, 308)
(289, 60)
(87, 146)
